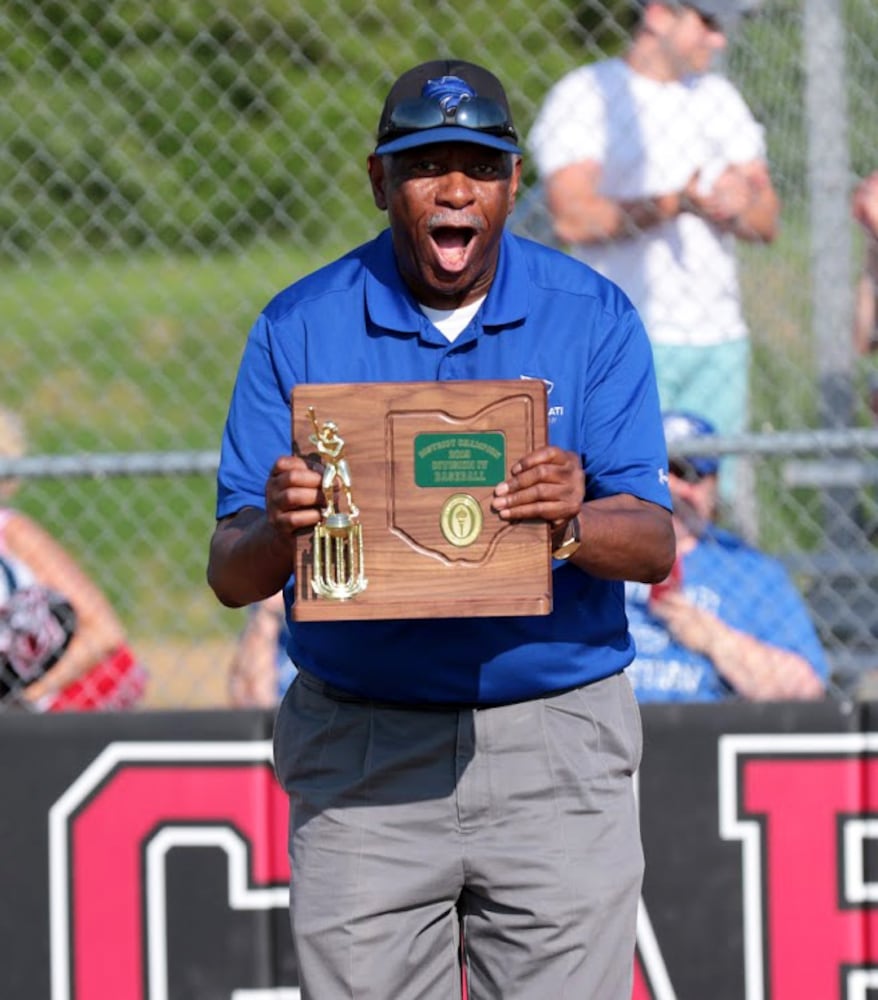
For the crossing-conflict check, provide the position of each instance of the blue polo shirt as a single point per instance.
(546, 316)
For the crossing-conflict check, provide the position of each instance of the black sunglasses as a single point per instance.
(479, 113)
(684, 470)
(710, 21)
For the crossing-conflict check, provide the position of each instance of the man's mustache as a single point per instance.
(455, 220)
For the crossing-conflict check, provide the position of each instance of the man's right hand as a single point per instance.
(293, 495)
(252, 552)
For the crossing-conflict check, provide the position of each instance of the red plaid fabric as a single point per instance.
(118, 682)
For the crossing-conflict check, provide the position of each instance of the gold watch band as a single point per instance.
(570, 542)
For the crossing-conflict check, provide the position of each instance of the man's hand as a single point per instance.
(691, 626)
(293, 495)
(548, 484)
(741, 200)
(729, 196)
(252, 552)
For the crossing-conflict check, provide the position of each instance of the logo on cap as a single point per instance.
(449, 91)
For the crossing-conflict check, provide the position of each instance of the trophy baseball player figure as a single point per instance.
(338, 538)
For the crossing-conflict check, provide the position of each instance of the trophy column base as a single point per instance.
(338, 558)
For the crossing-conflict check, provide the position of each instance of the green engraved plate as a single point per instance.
(472, 459)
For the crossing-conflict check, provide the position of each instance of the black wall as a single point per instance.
(144, 856)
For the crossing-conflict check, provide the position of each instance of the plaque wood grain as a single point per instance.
(390, 431)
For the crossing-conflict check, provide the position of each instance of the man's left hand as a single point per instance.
(547, 484)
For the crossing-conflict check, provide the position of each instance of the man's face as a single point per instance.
(446, 204)
(692, 40)
(694, 497)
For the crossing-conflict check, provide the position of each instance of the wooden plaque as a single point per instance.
(424, 458)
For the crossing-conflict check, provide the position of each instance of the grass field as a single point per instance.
(135, 355)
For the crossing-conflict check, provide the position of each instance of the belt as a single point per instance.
(313, 683)
(318, 685)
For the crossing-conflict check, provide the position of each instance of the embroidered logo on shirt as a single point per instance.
(554, 411)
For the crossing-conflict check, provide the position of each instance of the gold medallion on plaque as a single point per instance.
(461, 519)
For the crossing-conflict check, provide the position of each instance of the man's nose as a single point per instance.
(456, 188)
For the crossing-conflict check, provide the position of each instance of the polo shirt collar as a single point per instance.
(390, 304)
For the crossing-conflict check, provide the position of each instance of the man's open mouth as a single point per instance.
(452, 244)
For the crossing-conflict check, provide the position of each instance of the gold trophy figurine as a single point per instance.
(338, 538)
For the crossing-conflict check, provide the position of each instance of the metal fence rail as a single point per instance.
(833, 472)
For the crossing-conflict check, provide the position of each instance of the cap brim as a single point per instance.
(446, 133)
(704, 466)
(725, 18)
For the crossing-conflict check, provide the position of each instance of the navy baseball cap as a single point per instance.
(446, 100)
(681, 425)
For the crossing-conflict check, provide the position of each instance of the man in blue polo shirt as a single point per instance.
(459, 774)
(729, 622)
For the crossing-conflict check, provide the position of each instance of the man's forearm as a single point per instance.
(249, 561)
(601, 220)
(759, 671)
(624, 538)
(582, 214)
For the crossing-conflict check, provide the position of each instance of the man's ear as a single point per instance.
(514, 182)
(375, 166)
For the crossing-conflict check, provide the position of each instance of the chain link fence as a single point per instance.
(165, 168)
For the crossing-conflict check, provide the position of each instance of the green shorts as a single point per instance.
(713, 382)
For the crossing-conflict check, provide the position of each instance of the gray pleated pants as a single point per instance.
(516, 823)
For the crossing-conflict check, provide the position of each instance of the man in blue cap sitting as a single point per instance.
(728, 622)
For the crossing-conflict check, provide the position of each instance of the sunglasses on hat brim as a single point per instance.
(478, 113)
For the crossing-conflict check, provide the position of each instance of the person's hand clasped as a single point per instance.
(691, 626)
(293, 495)
(865, 204)
(548, 484)
(723, 201)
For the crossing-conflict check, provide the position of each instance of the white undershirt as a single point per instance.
(451, 322)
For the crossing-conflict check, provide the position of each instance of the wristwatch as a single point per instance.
(571, 540)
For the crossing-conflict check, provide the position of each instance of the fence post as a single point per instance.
(829, 190)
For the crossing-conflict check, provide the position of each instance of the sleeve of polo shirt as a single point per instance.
(625, 448)
(257, 430)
